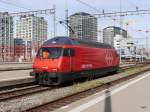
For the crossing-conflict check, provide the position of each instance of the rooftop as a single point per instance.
(82, 14)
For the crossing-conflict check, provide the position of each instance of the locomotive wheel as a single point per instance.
(57, 81)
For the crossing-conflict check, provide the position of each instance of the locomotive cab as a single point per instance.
(51, 62)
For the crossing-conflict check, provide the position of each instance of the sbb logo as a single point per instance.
(109, 58)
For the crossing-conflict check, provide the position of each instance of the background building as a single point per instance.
(6, 37)
(84, 26)
(125, 46)
(19, 49)
(122, 42)
(110, 32)
(33, 30)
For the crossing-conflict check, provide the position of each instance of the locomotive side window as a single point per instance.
(72, 52)
(68, 52)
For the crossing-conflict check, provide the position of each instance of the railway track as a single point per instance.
(14, 69)
(18, 92)
(121, 69)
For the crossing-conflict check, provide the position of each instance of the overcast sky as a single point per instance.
(135, 22)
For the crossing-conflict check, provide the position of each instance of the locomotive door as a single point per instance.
(69, 52)
(71, 59)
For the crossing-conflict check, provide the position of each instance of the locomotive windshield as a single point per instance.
(49, 52)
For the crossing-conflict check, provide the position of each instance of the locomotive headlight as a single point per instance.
(54, 69)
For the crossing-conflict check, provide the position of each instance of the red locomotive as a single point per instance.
(62, 58)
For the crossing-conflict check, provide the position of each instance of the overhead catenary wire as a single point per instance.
(88, 5)
(13, 4)
(132, 3)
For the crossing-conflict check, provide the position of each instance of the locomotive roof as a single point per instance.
(74, 41)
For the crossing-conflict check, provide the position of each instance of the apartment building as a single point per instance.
(110, 32)
(33, 30)
(6, 37)
(84, 26)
